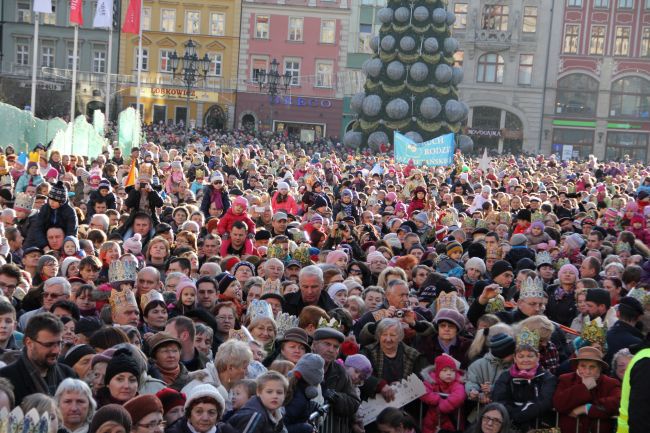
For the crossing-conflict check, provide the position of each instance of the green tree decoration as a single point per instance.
(411, 81)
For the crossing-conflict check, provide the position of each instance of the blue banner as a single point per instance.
(437, 151)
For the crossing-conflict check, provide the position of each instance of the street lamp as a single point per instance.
(270, 80)
(192, 69)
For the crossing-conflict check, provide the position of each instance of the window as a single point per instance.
(99, 61)
(495, 17)
(23, 12)
(571, 35)
(146, 18)
(530, 19)
(292, 66)
(575, 3)
(167, 20)
(262, 26)
(597, 44)
(217, 24)
(490, 68)
(47, 54)
(216, 62)
(70, 62)
(525, 69)
(50, 18)
(577, 94)
(327, 31)
(365, 36)
(22, 51)
(622, 41)
(460, 9)
(295, 28)
(459, 56)
(192, 22)
(630, 97)
(165, 64)
(645, 42)
(145, 59)
(323, 74)
(582, 140)
(647, 4)
(601, 3)
(625, 4)
(258, 65)
(620, 144)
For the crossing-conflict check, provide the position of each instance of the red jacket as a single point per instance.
(226, 222)
(443, 411)
(289, 206)
(604, 399)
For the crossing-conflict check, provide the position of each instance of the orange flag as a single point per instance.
(132, 176)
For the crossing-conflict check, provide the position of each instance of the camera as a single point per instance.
(400, 313)
(143, 185)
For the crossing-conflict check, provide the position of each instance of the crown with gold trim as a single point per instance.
(622, 247)
(528, 339)
(561, 262)
(532, 288)
(333, 323)
(496, 305)
(121, 299)
(481, 224)
(120, 271)
(302, 254)
(259, 309)
(536, 216)
(505, 217)
(543, 258)
(150, 296)
(241, 334)
(449, 219)
(469, 223)
(594, 331)
(447, 300)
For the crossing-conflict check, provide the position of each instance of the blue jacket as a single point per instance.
(254, 418)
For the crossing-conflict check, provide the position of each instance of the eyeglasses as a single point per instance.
(490, 420)
(50, 345)
(224, 318)
(355, 271)
(153, 424)
(217, 182)
(52, 295)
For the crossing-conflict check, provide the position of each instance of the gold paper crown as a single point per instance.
(505, 217)
(543, 258)
(622, 247)
(447, 300)
(481, 224)
(449, 220)
(536, 216)
(276, 251)
(561, 262)
(150, 296)
(469, 223)
(302, 254)
(119, 271)
(532, 288)
(199, 173)
(528, 339)
(122, 299)
(496, 305)
(594, 331)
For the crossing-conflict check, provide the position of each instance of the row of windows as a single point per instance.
(323, 78)
(48, 54)
(496, 17)
(620, 4)
(598, 37)
(618, 144)
(491, 68)
(295, 31)
(164, 64)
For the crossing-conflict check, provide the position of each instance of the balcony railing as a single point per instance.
(493, 39)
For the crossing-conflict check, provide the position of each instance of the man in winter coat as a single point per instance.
(624, 333)
(57, 212)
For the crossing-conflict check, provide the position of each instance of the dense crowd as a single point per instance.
(247, 282)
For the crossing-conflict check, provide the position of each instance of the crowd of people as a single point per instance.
(246, 282)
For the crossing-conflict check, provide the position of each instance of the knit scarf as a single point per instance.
(169, 376)
(517, 373)
(216, 198)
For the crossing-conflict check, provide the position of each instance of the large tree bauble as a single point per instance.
(407, 43)
(371, 105)
(376, 139)
(443, 73)
(397, 109)
(450, 46)
(352, 138)
(402, 14)
(451, 18)
(439, 16)
(430, 108)
(453, 111)
(465, 144)
(421, 13)
(374, 43)
(430, 45)
(385, 15)
(356, 102)
(415, 136)
(395, 70)
(419, 71)
(388, 43)
(373, 67)
(465, 109)
(457, 75)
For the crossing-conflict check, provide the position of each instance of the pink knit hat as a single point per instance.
(182, 284)
(333, 256)
(241, 201)
(133, 244)
(569, 268)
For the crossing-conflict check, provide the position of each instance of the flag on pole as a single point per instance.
(43, 6)
(132, 19)
(103, 14)
(76, 12)
(132, 176)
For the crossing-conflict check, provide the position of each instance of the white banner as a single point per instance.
(104, 14)
(43, 6)
(406, 391)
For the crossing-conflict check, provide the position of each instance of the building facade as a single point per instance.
(601, 102)
(55, 57)
(213, 26)
(505, 53)
(309, 40)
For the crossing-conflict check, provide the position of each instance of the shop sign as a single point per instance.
(299, 101)
(173, 93)
(484, 132)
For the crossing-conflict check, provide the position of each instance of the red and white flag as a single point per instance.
(76, 12)
(132, 19)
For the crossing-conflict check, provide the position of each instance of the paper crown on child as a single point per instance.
(24, 202)
(594, 331)
(532, 288)
(259, 309)
(121, 271)
(528, 339)
(543, 258)
(121, 299)
(149, 297)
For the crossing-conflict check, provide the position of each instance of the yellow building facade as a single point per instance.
(213, 26)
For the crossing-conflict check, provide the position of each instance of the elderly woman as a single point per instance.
(165, 352)
(76, 404)
(561, 305)
(203, 411)
(154, 314)
(146, 413)
(226, 315)
(586, 399)
(230, 364)
(620, 362)
(291, 347)
(449, 324)
(526, 389)
(264, 330)
(391, 359)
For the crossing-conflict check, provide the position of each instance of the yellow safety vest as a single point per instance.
(623, 415)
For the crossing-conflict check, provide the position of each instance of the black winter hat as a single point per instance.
(500, 267)
(501, 345)
(121, 363)
(599, 297)
(59, 193)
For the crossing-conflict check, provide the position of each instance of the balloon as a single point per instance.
(450, 45)
(453, 111)
(457, 75)
(402, 14)
(356, 102)
(421, 13)
(373, 67)
(465, 144)
(407, 43)
(388, 43)
(430, 108)
(385, 15)
(419, 71)
(439, 16)
(353, 138)
(415, 136)
(397, 109)
(376, 139)
(395, 70)
(443, 73)
(430, 45)
(371, 105)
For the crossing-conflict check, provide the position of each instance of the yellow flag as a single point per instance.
(132, 176)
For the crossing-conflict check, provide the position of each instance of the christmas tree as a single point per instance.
(412, 83)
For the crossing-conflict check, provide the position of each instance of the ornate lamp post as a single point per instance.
(273, 82)
(191, 69)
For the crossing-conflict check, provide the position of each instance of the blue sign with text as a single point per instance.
(437, 151)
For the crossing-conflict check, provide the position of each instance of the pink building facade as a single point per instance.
(308, 39)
